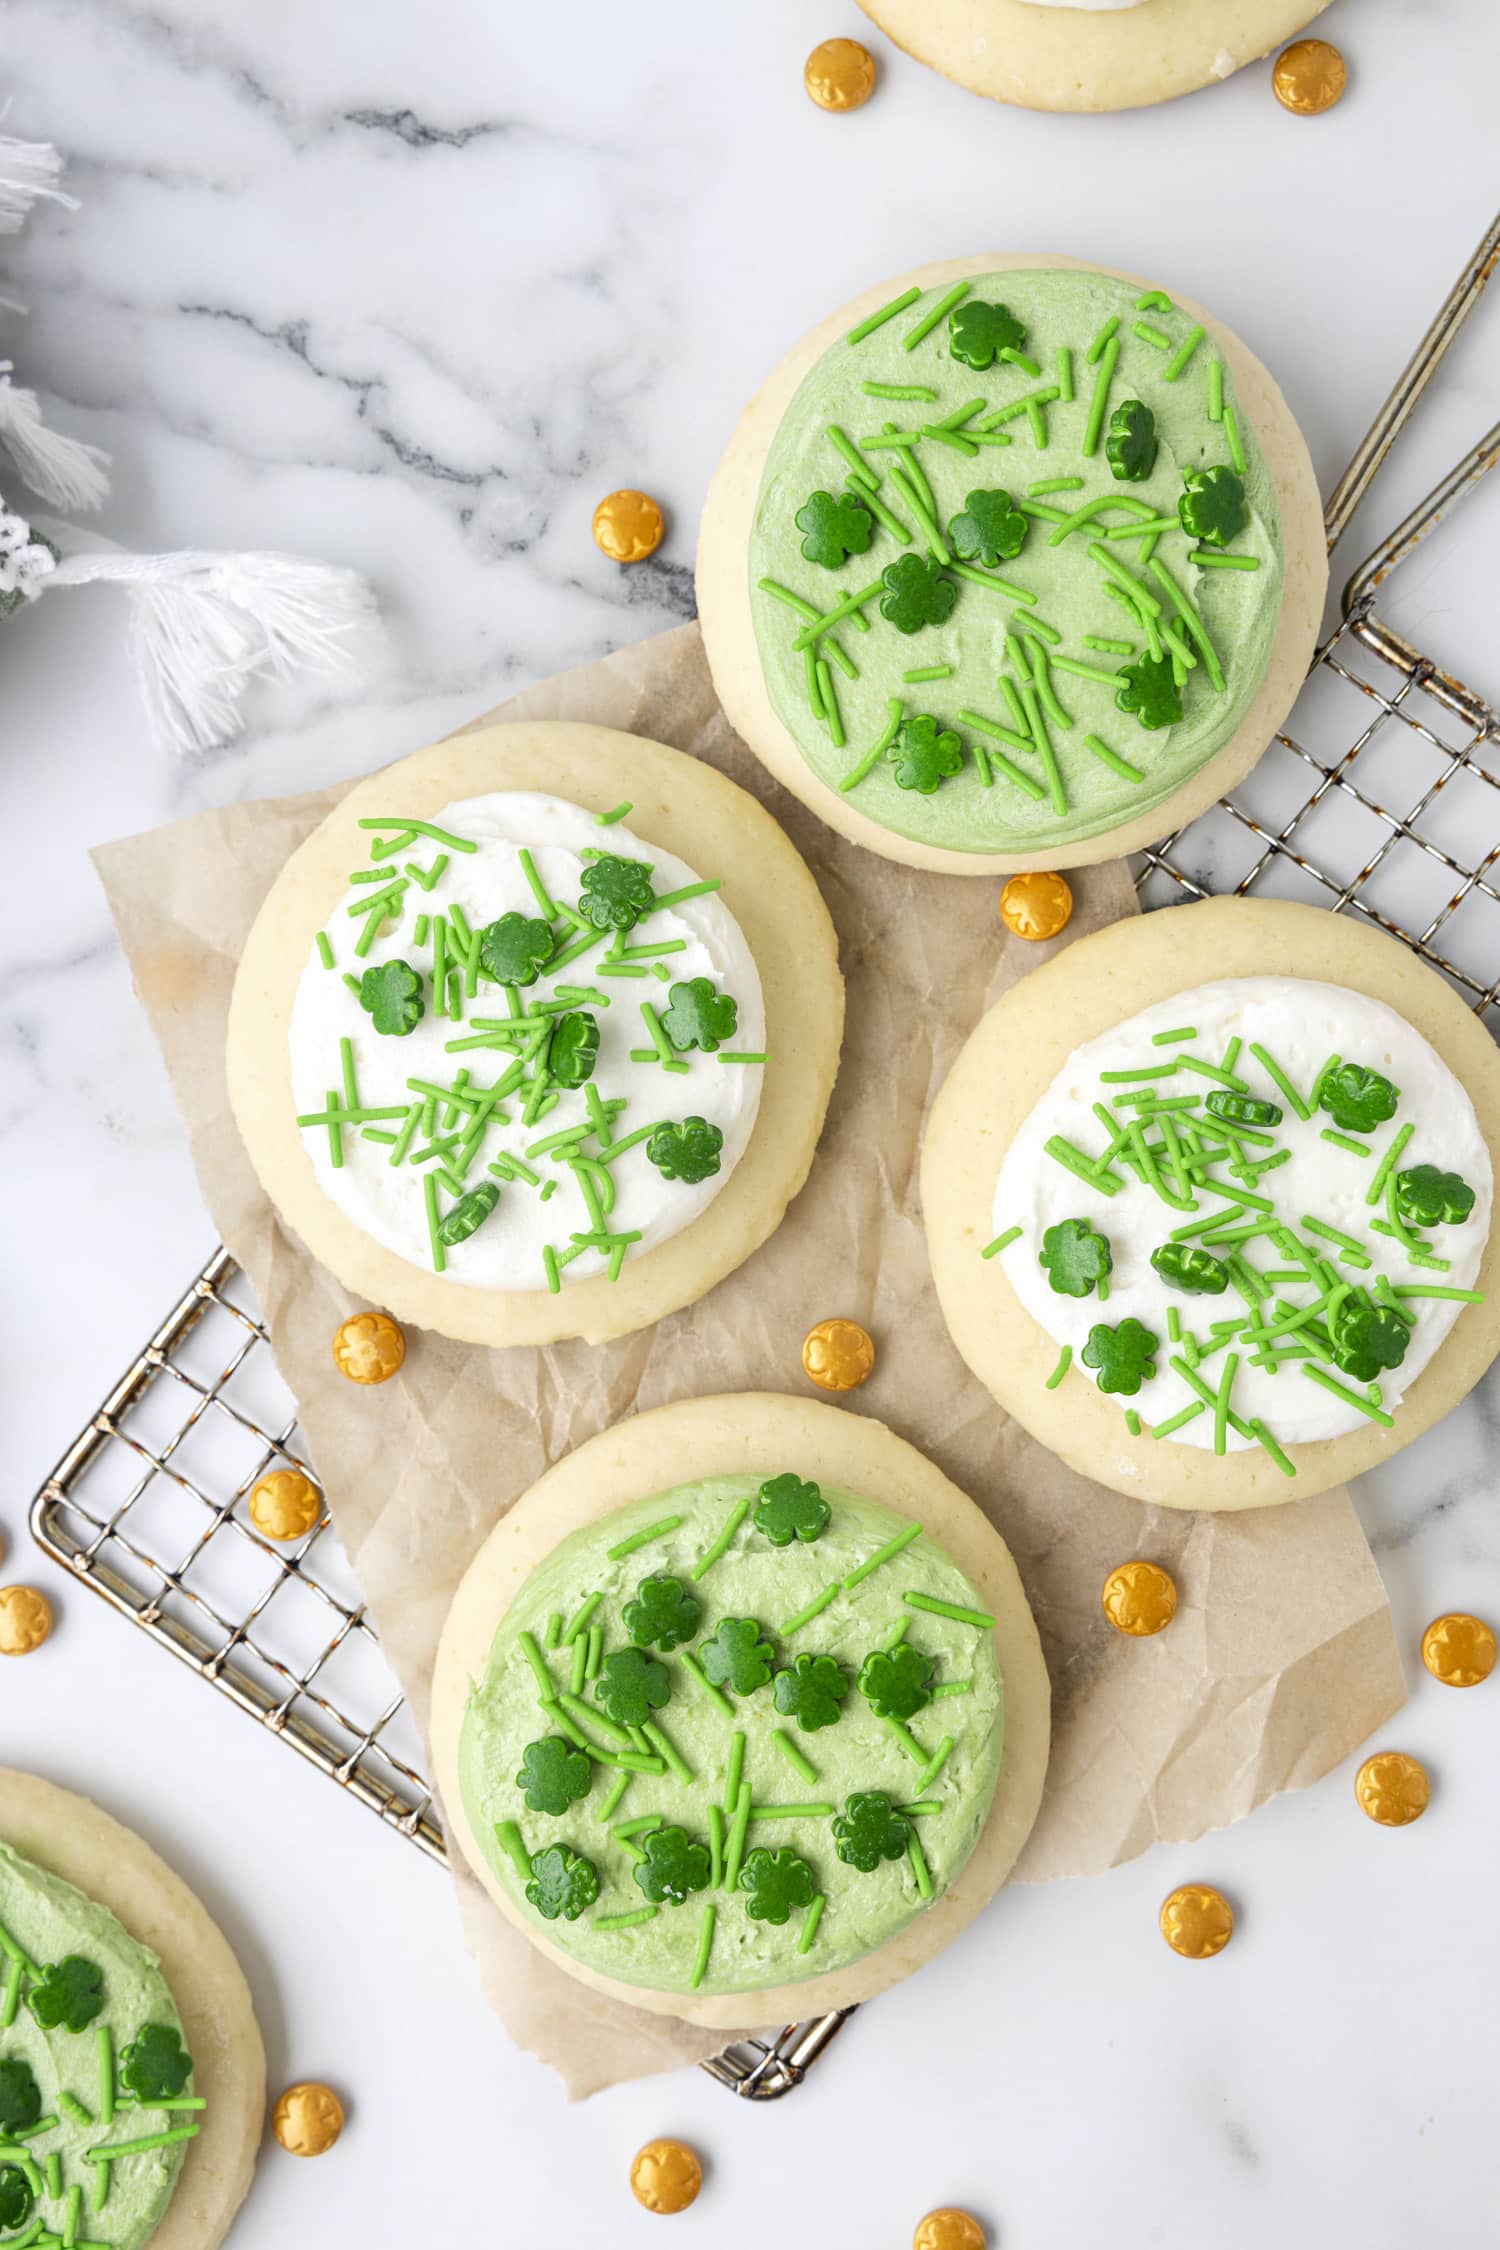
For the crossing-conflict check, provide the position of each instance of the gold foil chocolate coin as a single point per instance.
(948, 2229)
(839, 74)
(1139, 1598)
(308, 2118)
(838, 1355)
(1036, 906)
(368, 1347)
(628, 526)
(25, 1619)
(665, 2176)
(1197, 1921)
(1458, 1649)
(1392, 1788)
(1309, 77)
(284, 1504)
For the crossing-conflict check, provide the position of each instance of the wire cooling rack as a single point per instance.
(148, 1506)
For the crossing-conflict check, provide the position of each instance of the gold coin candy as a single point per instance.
(1197, 1921)
(665, 2176)
(838, 1355)
(1459, 1649)
(1139, 1598)
(308, 2118)
(948, 2229)
(1036, 906)
(284, 1504)
(628, 526)
(839, 75)
(368, 1347)
(1309, 77)
(25, 1619)
(1392, 1788)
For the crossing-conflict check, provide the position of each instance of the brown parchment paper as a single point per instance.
(1282, 1656)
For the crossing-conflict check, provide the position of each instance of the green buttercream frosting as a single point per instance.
(1238, 606)
(856, 1751)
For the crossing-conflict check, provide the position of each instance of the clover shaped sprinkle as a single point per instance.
(917, 593)
(20, 2096)
(663, 1614)
(631, 1686)
(16, 2197)
(776, 1883)
(1075, 1257)
(675, 1866)
(391, 995)
(737, 1657)
(988, 529)
(810, 1690)
(1148, 689)
(926, 755)
(616, 892)
(979, 333)
(869, 1830)
(562, 1883)
(1367, 1339)
(1242, 1109)
(834, 528)
(1426, 1197)
(553, 1775)
(688, 1152)
(1123, 1357)
(1212, 507)
(786, 1508)
(68, 1995)
(1130, 445)
(573, 1048)
(896, 1682)
(513, 949)
(1357, 1099)
(156, 2066)
(1197, 1273)
(468, 1214)
(698, 1016)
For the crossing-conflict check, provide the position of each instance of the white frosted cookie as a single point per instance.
(1209, 1198)
(1088, 54)
(568, 1069)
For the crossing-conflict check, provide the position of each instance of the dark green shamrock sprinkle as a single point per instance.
(675, 1866)
(1130, 446)
(553, 1775)
(391, 995)
(155, 2066)
(834, 528)
(513, 949)
(562, 1883)
(1426, 1197)
(616, 892)
(896, 1682)
(810, 1690)
(1367, 1339)
(1357, 1099)
(20, 2096)
(1198, 1273)
(1242, 1109)
(631, 1686)
(869, 1830)
(926, 755)
(1148, 689)
(468, 1214)
(1212, 507)
(737, 1657)
(68, 1995)
(988, 529)
(917, 593)
(786, 1508)
(1122, 1357)
(573, 1048)
(16, 2197)
(1075, 1257)
(978, 333)
(687, 1152)
(663, 1614)
(776, 1883)
(698, 1016)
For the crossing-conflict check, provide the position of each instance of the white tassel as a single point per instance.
(206, 625)
(63, 471)
(29, 172)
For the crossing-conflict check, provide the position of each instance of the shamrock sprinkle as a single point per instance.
(834, 528)
(674, 1867)
(786, 1509)
(917, 593)
(1242, 1109)
(67, 1995)
(737, 1657)
(777, 1882)
(1367, 1339)
(1357, 1099)
(631, 1686)
(810, 1690)
(16, 2197)
(1212, 507)
(155, 2066)
(513, 949)
(978, 333)
(1426, 1197)
(553, 1775)
(20, 2096)
(926, 755)
(663, 1614)
(869, 1830)
(468, 1214)
(698, 1016)
(896, 1682)
(616, 892)
(1075, 1257)
(391, 995)
(1130, 446)
(1198, 1273)
(1123, 1357)
(1149, 690)
(988, 529)
(688, 1152)
(573, 1048)
(562, 1882)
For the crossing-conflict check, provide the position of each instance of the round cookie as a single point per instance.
(680, 807)
(1015, 832)
(73, 1839)
(756, 1435)
(1079, 58)
(1008, 1065)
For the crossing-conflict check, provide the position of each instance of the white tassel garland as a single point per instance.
(63, 471)
(29, 173)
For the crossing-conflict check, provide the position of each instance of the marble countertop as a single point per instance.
(410, 290)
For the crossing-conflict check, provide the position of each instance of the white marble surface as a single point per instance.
(410, 289)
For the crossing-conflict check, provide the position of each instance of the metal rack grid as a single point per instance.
(148, 1505)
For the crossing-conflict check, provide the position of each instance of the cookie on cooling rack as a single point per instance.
(1014, 562)
(1221, 1239)
(1088, 54)
(127, 2027)
(740, 1712)
(534, 1036)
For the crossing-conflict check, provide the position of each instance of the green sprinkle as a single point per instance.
(1100, 399)
(1053, 484)
(810, 1921)
(1012, 773)
(894, 712)
(1353, 1251)
(628, 1921)
(1357, 1399)
(740, 1055)
(885, 1554)
(935, 1765)
(1183, 354)
(907, 1740)
(781, 593)
(720, 1547)
(795, 1756)
(939, 311)
(410, 829)
(1112, 759)
(794, 1812)
(1096, 348)
(734, 1850)
(1064, 1362)
(325, 950)
(595, 1650)
(1343, 1140)
(1110, 648)
(813, 1609)
(705, 1946)
(897, 390)
(616, 812)
(814, 631)
(830, 703)
(1263, 1437)
(1453, 1296)
(954, 439)
(582, 1618)
(526, 1643)
(953, 1687)
(642, 1538)
(920, 1875)
(554, 1631)
(715, 1695)
(960, 1616)
(677, 1765)
(12, 1997)
(1149, 333)
(1001, 1242)
(927, 672)
(429, 1194)
(1388, 1162)
(508, 1837)
(735, 1771)
(892, 523)
(1209, 558)
(1221, 1401)
(878, 319)
(1232, 440)
(1064, 377)
(1180, 1421)
(1073, 1160)
(715, 1847)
